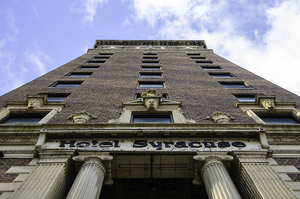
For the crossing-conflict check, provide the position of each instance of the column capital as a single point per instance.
(103, 162)
(212, 158)
(93, 158)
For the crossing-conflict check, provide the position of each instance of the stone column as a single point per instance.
(90, 178)
(218, 183)
(50, 179)
(256, 178)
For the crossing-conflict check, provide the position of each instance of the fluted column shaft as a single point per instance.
(218, 183)
(89, 180)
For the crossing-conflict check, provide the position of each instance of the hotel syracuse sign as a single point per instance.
(195, 145)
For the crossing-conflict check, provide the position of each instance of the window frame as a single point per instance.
(144, 67)
(151, 114)
(83, 73)
(221, 73)
(246, 86)
(87, 67)
(149, 73)
(151, 82)
(54, 85)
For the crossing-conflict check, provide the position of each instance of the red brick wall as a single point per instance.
(5, 164)
(290, 161)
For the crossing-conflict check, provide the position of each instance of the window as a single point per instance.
(150, 67)
(150, 75)
(234, 85)
(211, 67)
(193, 54)
(103, 57)
(87, 67)
(138, 96)
(151, 118)
(221, 75)
(95, 62)
(145, 58)
(150, 61)
(278, 118)
(198, 57)
(105, 53)
(56, 97)
(22, 118)
(203, 62)
(150, 54)
(150, 84)
(66, 84)
(245, 98)
(78, 74)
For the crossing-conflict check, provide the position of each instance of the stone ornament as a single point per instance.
(33, 103)
(151, 99)
(219, 117)
(268, 104)
(81, 117)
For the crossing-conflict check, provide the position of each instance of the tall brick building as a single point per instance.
(150, 119)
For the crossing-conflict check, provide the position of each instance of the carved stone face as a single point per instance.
(268, 104)
(33, 103)
(151, 103)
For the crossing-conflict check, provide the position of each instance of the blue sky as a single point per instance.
(262, 36)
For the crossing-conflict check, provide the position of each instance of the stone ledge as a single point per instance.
(9, 187)
(295, 186)
(21, 177)
(6, 195)
(286, 169)
(19, 169)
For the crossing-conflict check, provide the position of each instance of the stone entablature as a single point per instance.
(151, 42)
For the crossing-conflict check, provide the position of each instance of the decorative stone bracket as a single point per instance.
(219, 117)
(151, 100)
(81, 117)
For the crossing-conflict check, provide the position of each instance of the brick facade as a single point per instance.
(290, 161)
(5, 164)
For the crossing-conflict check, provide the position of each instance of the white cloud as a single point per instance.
(38, 58)
(261, 37)
(87, 8)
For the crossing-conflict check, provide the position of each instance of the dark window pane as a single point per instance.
(278, 119)
(79, 75)
(233, 85)
(150, 68)
(151, 118)
(104, 57)
(151, 85)
(204, 62)
(88, 68)
(95, 61)
(153, 75)
(63, 85)
(55, 99)
(245, 98)
(221, 75)
(198, 57)
(23, 118)
(150, 62)
(211, 68)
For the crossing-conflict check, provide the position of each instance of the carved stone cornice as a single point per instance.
(284, 140)
(81, 117)
(18, 140)
(219, 117)
(151, 42)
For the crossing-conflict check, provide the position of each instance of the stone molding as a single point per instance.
(151, 103)
(219, 117)
(18, 140)
(81, 117)
(150, 42)
(33, 104)
(283, 140)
